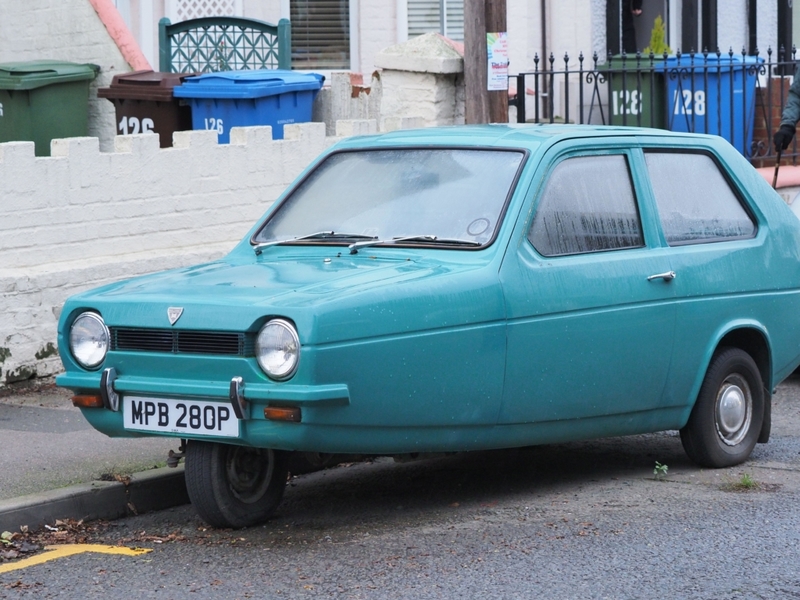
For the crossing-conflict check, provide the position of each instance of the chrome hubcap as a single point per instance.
(734, 410)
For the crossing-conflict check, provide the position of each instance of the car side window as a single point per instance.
(587, 205)
(695, 202)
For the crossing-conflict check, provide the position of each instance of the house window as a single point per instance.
(786, 29)
(320, 34)
(625, 30)
(691, 24)
(699, 25)
(442, 16)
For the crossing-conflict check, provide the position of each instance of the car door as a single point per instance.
(588, 294)
(720, 262)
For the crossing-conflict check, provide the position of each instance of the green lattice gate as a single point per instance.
(211, 44)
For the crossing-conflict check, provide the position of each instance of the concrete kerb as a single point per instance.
(147, 491)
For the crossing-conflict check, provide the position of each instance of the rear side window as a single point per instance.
(695, 202)
(587, 205)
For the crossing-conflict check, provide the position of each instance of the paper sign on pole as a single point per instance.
(497, 51)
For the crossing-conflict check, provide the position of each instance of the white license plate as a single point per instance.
(166, 415)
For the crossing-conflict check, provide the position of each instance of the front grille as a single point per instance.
(143, 340)
(170, 341)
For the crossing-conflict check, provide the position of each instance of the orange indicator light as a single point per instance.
(87, 401)
(282, 413)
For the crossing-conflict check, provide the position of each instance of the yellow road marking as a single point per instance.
(55, 552)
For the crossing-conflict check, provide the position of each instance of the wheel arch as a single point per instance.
(751, 337)
(753, 340)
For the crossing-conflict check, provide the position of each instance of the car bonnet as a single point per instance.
(230, 296)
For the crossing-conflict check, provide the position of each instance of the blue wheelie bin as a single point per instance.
(228, 99)
(713, 95)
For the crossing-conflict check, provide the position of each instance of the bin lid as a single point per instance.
(143, 85)
(698, 60)
(39, 73)
(695, 60)
(248, 84)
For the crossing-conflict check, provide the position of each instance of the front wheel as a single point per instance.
(726, 420)
(234, 486)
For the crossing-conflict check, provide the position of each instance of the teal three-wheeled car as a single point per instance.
(456, 289)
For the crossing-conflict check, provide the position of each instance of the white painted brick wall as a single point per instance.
(377, 29)
(570, 30)
(436, 99)
(347, 97)
(82, 218)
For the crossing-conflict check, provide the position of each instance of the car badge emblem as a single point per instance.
(174, 313)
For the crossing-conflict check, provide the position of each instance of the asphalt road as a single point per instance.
(581, 520)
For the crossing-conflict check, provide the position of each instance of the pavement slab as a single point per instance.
(55, 465)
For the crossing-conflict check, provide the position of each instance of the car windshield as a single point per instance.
(429, 196)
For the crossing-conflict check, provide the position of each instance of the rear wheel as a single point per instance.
(234, 486)
(726, 420)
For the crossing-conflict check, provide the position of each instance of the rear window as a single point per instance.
(695, 201)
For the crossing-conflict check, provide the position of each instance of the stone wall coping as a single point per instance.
(429, 53)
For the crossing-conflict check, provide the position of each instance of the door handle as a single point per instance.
(668, 276)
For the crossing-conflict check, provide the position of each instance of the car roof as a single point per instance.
(526, 135)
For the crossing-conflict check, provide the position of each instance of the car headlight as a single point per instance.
(278, 349)
(88, 339)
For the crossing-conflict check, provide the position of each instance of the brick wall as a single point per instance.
(82, 218)
(770, 101)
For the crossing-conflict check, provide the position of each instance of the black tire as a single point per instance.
(726, 420)
(234, 486)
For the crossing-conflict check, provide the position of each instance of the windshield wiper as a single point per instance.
(320, 235)
(424, 239)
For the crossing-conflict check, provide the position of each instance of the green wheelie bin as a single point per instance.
(638, 92)
(44, 100)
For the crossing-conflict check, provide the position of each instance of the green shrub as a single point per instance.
(658, 39)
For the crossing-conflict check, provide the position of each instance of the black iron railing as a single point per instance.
(737, 96)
